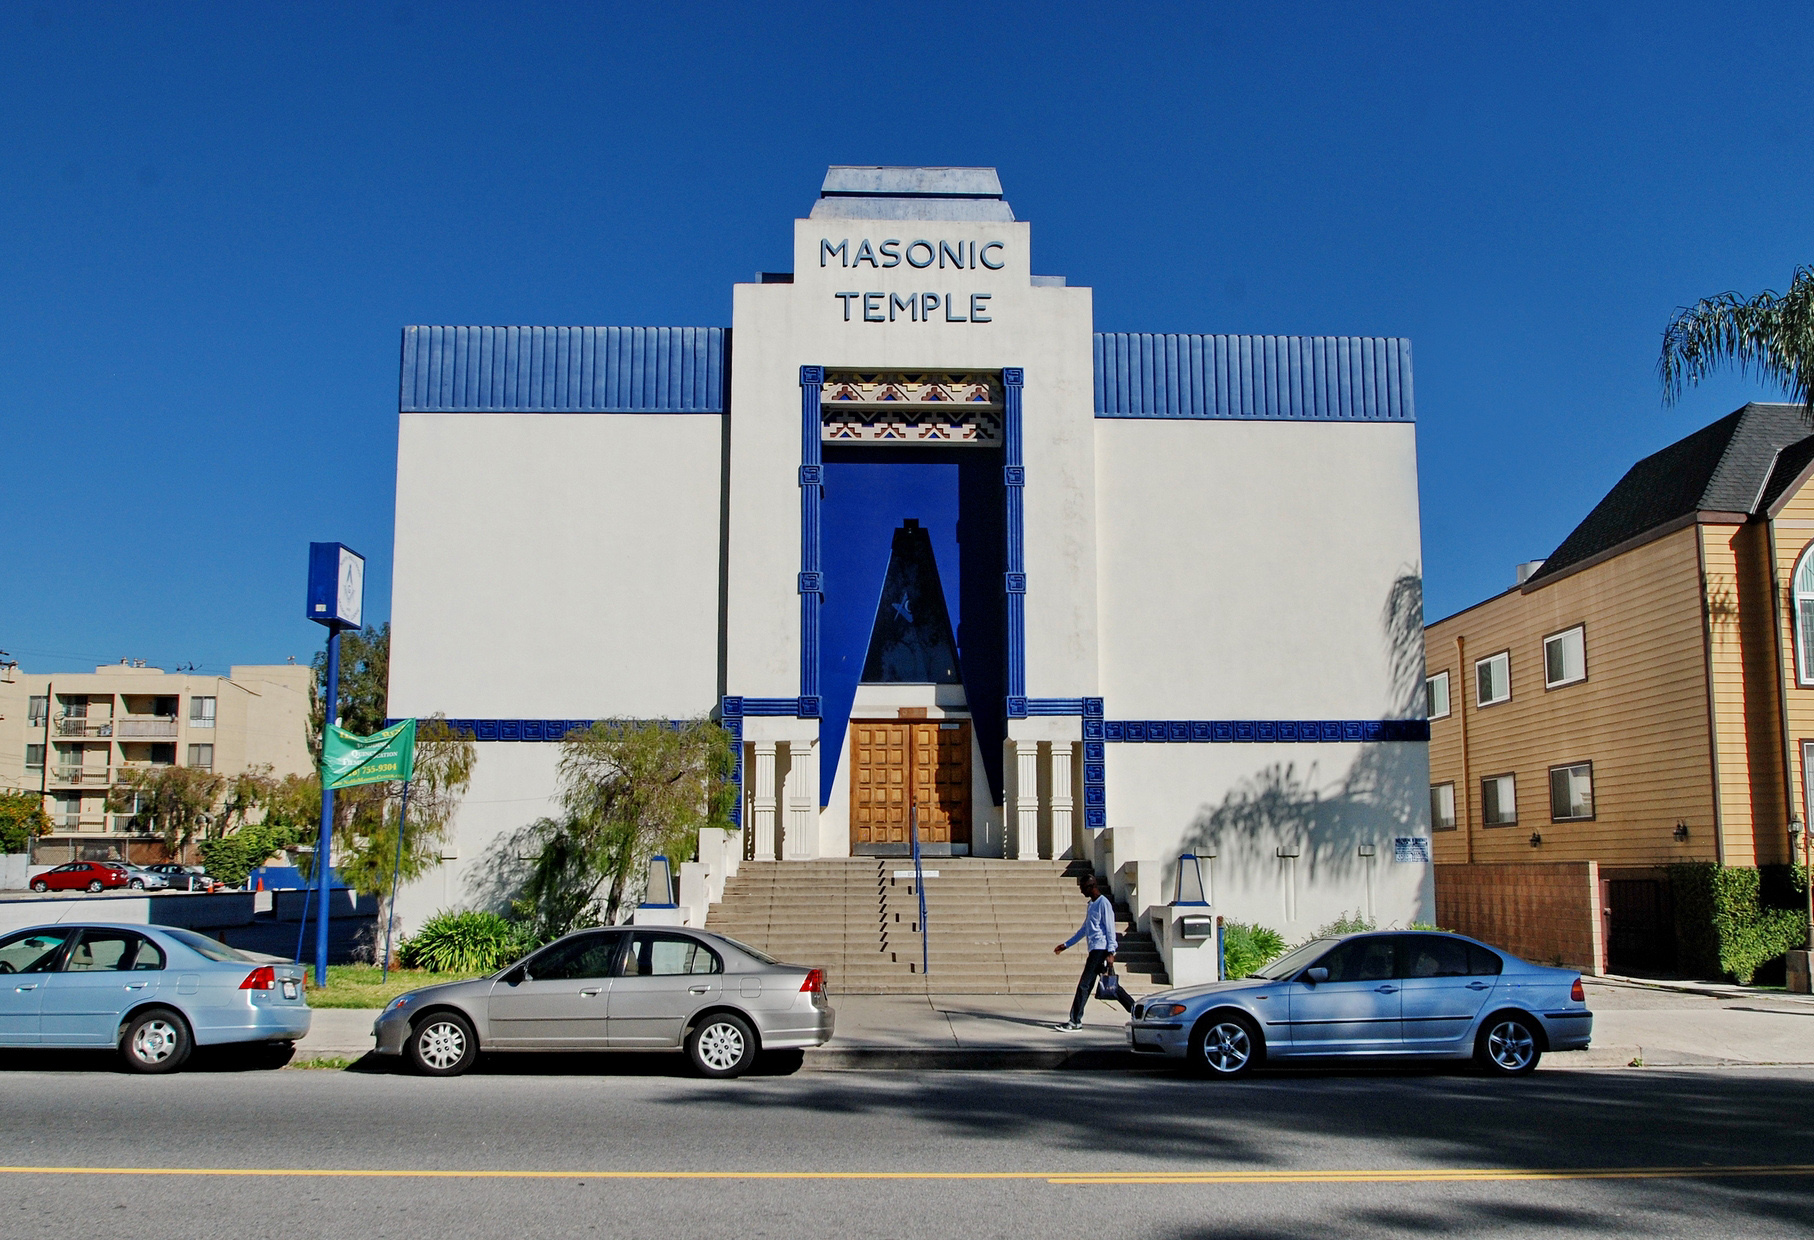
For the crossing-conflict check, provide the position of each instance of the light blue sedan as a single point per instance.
(152, 992)
(1392, 995)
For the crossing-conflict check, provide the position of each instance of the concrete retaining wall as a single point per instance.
(1547, 912)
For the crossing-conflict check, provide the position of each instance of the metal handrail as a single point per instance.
(919, 886)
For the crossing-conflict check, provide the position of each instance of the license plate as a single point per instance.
(289, 988)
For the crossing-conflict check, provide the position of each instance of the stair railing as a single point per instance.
(919, 885)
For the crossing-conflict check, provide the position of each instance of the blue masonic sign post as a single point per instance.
(336, 585)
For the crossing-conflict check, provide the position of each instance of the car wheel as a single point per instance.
(94, 884)
(722, 1045)
(1225, 1045)
(1508, 1046)
(156, 1040)
(137, 884)
(443, 1045)
(40, 886)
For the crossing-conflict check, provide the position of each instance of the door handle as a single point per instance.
(1478, 986)
(33, 986)
(1387, 990)
(697, 990)
(135, 985)
(589, 992)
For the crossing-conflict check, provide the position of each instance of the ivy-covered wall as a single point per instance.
(1730, 920)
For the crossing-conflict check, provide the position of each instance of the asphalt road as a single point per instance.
(630, 1147)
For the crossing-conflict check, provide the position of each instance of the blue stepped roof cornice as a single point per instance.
(1258, 378)
(564, 369)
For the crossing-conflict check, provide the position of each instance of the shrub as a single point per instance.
(466, 942)
(1730, 920)
(22, 817)
(232, 858)
(1346, 924)
(1248, 947)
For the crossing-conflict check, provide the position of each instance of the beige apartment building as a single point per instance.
(1643, 696)
(70, 736)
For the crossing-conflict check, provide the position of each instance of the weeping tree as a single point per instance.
(630, 789)
(1770, 335)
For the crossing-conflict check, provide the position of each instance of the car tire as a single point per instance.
(1508, 1045)
(722, 1046)
(94, 886)
(40, 886)
(156, 1040)
(137, 884)
(1225, 1045)
(442, 1044)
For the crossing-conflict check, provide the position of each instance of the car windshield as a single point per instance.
(1293, 960)
(751, 952)
(213, 949)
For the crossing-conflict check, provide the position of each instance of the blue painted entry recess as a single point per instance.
(956, 496)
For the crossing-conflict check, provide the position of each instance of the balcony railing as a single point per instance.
(142, 726)
(89, 775)
(85, 727)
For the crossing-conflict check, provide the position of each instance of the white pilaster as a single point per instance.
(762, 801)
(1026, 800)
(1063, 835)
(801, 840)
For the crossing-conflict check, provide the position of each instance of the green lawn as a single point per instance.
(358, 985)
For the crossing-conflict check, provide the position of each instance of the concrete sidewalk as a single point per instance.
(1671, 1024)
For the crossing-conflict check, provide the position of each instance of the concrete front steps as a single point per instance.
(992, 925)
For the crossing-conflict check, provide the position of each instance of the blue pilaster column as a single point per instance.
(1014, 480)
(812, 583)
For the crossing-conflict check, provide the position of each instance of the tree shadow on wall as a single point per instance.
(1383, 795)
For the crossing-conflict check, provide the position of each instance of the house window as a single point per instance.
(75, 706)
(1499, 801)
(1804, 618)
(1565, 658)
(1493, 679)
(38, 710)
(201, 712)
(34, 757)
(1436, 695)
(1442, 807)
(1571, 792)
(201, 757)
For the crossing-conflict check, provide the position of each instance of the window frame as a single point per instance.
(1448, 694)
(1804, 658)
(200, 721)
(1480, 703)
(1511, 822)
(1454, 821)
(1593, 801)
(1548, 684)
(192, 755)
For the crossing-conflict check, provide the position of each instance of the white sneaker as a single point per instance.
(1070, 1026)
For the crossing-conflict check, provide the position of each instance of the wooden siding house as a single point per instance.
(1643, 697)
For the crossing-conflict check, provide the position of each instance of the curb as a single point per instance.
(1004, 1059)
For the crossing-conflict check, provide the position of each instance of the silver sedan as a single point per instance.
(152, 992)
(1396, 995)
(617, 988)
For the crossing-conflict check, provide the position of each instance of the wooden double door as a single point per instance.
(897, 766)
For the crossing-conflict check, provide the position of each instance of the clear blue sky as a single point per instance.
(215, 219)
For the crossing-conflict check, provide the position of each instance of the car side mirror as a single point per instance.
(1316, 976)
(515, 975)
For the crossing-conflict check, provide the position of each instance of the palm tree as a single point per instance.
(1770, 335)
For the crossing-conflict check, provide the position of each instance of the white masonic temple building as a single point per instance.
(936, 548)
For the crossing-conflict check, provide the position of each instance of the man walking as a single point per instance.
(1099, 930)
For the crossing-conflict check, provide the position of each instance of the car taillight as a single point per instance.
(1576, 993)
(814, 983)
(264, 977)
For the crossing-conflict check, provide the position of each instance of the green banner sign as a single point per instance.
(348, 759)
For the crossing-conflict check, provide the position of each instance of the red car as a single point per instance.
(80, 876)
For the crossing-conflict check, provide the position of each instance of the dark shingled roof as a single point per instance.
(1742, 463)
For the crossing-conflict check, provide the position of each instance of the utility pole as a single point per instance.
(336, 599)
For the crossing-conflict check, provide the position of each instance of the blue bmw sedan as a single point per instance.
(154, 993)
(1391, 995)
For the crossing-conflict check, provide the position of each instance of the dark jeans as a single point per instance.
(1092, 968)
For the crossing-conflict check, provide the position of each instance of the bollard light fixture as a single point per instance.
(1190, 887)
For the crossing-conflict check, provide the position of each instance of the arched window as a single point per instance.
(1804, 617)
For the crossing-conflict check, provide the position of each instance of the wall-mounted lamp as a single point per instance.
(1190, 888)
(1366, 850)
(1794, 833)
(1536, 840)
(1680, 832)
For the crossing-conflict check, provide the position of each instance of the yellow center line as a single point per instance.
(1077, 1178)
